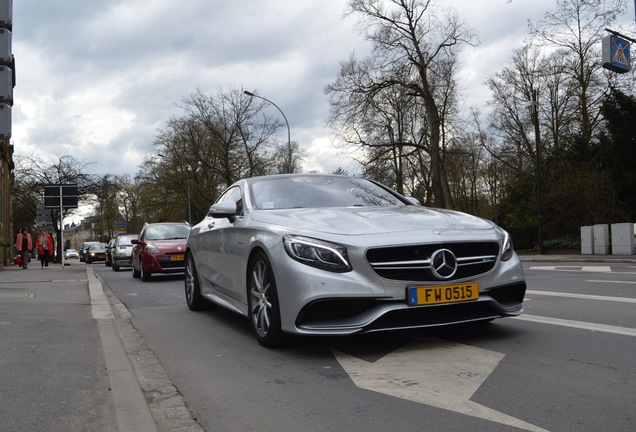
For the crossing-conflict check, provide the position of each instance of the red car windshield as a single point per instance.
(167, 232)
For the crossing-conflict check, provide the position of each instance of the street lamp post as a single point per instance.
(289, 148)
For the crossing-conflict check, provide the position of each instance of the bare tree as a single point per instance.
(129, 202)
(414, 48)
(510, 119)
(575, 27)
(33, 172)
(219, 139)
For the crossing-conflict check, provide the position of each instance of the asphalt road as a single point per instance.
(569, 363)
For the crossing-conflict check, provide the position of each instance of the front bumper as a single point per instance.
(123, 261)
(315, 302)
(348, 316)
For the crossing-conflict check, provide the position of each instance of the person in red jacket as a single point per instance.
(24, 244)
(44, 244)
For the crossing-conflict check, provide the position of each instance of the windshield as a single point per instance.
(319, 191)
(126, 241)
(167, 232)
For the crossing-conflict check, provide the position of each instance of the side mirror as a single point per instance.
(134, 241)
(225, 209)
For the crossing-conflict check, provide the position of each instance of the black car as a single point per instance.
(82, 251)
(96, 252)
(109, 252)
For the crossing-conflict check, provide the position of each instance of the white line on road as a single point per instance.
(582, 296)
(611, 281)
(625, 331)
(602, 269)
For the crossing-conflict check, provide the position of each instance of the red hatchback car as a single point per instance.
(159, 249)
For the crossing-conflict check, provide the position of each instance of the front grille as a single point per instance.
(434, 316)
(508, 294)
(413, 262)
(336, 313)
(167, 264)
(327, 310)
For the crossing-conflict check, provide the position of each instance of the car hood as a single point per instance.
(169, 246)
(372, 220)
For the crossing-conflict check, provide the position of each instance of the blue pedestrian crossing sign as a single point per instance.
(615, 54)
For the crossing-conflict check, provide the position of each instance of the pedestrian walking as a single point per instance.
(24, 244)
(44, 244)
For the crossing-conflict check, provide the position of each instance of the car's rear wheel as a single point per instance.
(194, 299)
(264, 309)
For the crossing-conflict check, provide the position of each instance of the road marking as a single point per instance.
(624, 331)
(601, 269)
(611, 281)
(434, 372)
(582, 296)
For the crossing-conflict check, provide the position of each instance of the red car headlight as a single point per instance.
(152, 249)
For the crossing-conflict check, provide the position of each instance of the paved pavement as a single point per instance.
(70, 359)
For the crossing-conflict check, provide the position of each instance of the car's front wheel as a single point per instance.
(145, 274)
(135, 272)
(264, 310)
(194, 299)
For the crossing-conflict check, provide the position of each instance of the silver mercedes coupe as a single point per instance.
(313, 254)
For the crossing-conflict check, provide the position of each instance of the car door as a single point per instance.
(216, 257)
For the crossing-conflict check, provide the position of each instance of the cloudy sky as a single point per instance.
(96, 79)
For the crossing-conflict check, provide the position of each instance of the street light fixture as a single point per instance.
(289, 147)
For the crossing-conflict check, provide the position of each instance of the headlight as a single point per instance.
(506, 246)
(152, 249)
(317, 253)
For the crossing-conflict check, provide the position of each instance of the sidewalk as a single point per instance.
(62, 364)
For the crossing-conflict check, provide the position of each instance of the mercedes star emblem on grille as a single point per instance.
(443, 264)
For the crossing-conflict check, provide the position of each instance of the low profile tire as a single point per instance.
(145, 275)
(193, 296)
(264, 309)
(135, 272)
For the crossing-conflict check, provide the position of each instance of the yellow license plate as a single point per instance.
(424, 295)
(176, 258)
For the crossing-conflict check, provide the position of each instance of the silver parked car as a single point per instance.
(335, 255)
(122, 251)
(71, 253)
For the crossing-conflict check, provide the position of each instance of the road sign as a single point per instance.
(60, 195)
(615, 54)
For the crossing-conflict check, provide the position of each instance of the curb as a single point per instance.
(131, 409)
(161, 398)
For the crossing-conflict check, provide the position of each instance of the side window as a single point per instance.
(234, 195)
